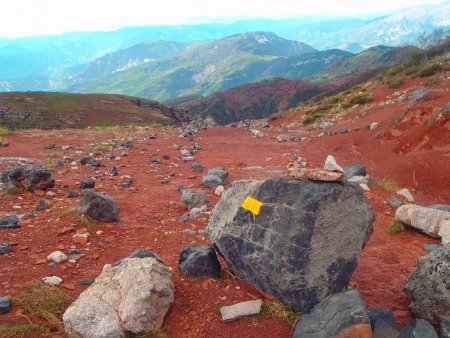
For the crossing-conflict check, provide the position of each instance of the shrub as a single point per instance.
(395, 228)
(396, 82)
(4, 131)
(388, 183)
(430, 69)
(360, 99)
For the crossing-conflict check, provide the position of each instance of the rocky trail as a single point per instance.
(154, 166)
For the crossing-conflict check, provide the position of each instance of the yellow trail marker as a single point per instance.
(252, 205)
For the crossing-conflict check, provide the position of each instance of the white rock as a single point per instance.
(374, 125)
(364, 186)
(195, 213)
(51, 193)
(406, 194)
(251, 307)
(427, 220)
(133, 296)
(53, 280)
(444, 232)
(330, 164)
(57, 257)
(360, 180)
(219, 190)
(257, 133)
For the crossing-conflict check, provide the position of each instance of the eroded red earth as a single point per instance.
(416, 155)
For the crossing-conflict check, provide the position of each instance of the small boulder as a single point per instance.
(87, 184)
(113, 171)
(421, 218)
(194, 198)
(87, 281)
(418, 328)
(406, 194)
(249, 308)
(394, 202)
(331, 164)
(86, 160)
(42, 205)
(57, 257)
(4, 249)
(98, 206)
(5, 305)
(383, 323)
(8, 222)
(197, 167)
(52, 280)
(427, 287)
(38, 178)
(132, 297)
(199, 260)
(354, 169)
(72, 194)
(341, 315)
(215, 177)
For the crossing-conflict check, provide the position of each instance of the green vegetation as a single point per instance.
(11, 191)
(396, 82)
(4, 131)
(216, 309)
(161, 333)
(360, 99)
(430, 69)
(395, 228)
(15, 330)
(388, 183)
(280, 311)
(317, 112)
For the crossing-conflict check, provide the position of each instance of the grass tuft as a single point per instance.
(216, 309)
(161, 333)
(395, 228)
(4, 131)
(280, 311)
(388, 183)
(7, 330)
(430, 69)
(87, 221)
(11, 191)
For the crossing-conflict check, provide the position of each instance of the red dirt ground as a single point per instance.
(149, 211)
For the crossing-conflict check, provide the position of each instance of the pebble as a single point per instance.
(251, 307)
(219, 190)
(4, 249)
(53, 280)
(80, 238)
(57, 257)
(87, 281)
(5, 305)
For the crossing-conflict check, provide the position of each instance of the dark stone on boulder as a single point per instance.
(394, 202)
(87, 281)
(4, 249)
(194, 198)
(354, 169)
(418, 328)
(199, 260)
(215, 177)
(383, 323)
(444, 326)
(342, 315)
(87, 184)
(42, 204)
(197, 167)
(72, 194)
(441, 207)
(86, 160)
(113, 171)
(5, 305)
(9, 222)
(428, 286)
(305, 243)
(141, 254)
(98, 206)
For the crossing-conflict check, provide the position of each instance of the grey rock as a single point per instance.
(95, 163)
(199, 260)
(5, 305)
(33, 177)
(325, 125)
(444, 326)
(336, 316)
(394, 202)
(441, 207)
(87, 281)
(87, 184)
(418, 328)
(354, 169)
(360, 180)
(52, 280)
(133, 297)
(406, 194)
(72, 194)
(113, 171)
(59, 163)
(421, 218)
(303, 246)
(383, 323)
(330, 164)
(4, 144)
(86, 160)
(99, 206)
(50, 146)
(4, 249)
(194, 198)
(428, 286)
(8, 222)
(42, 204)
(431, 247)
(343, 130)
(197, 167)
(215, 177)
(251, 307)
(184, 218)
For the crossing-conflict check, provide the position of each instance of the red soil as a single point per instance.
(418, 159)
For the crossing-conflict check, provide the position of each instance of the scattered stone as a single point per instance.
(33, 177)
(4, 249)
(257, 133)
(87, 281)
(59, 163)
(72, 194)
(53, 280)
(132, 297)
(394, 202)
(197, 167)
(215, 177)
(184, 218)
(57, 257)
(98, 206)
(8, 222)
(424, 219)
(166, 157)
(431, 247)
(341, 315)
(406, 194)
(418, 328)
(251, 307)
(80, 238)
(42, 204)
(95, 163)
(219, 190)
(87, 184)
(373, 125)
(343, 130)
(125, 153)
(86, 160)
(360, 180)
(195, 213)
(165, 180)
(50, 193)
(383, 323)
(113, 171)
(305, 242)
(189, 232)
(354, 169)
(325, 125)
(50, 146)
(152, 136)
(283, 138)
(199, 260)
(303, 174)
(5, 305)
(330, 164)
(427, 286)
(194, 198)
(4, 144)
(141, 254)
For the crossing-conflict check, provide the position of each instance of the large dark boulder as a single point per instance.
(342, 315)
(98, 206)
(418, 328)
(8, 222)
(215, 177)
(199, 260)
(303, 246)
(428, 286)
(32, 177)
(383, 323)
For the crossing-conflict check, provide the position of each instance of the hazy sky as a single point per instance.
(32, 17)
